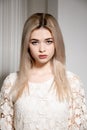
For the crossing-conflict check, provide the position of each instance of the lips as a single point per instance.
(42, 56)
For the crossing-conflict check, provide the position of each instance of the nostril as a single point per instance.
(42, 50)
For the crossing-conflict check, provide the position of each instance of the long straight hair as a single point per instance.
(61, 83)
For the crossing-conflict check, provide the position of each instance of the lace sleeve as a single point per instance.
(78, 111)
(6, 106)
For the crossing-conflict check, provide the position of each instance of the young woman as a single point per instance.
(42, 95)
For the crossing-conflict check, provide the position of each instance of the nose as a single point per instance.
(42, 47)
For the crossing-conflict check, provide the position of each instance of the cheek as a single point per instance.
(33, 52)
(52, 50)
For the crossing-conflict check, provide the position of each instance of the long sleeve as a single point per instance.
(78, 110)
(6, 105)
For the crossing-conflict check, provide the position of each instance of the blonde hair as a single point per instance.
(47, 21)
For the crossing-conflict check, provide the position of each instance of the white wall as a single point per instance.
(48, 6)
(12, 17)
(35, 6)
(72, 16)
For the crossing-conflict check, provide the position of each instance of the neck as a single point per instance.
(43, 68)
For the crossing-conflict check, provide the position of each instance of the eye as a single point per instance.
(48, 42)
(34, 42)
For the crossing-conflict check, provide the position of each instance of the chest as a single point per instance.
(41, 104)
(40, 109)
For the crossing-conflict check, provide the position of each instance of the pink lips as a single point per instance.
(42, 56)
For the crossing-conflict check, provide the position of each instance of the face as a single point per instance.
(41, 45)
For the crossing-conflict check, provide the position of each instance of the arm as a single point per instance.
(6, 106)
(78, 110)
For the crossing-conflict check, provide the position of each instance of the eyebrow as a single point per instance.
(49, 39)
(33, 39)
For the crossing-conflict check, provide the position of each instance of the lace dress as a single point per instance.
(40, 109)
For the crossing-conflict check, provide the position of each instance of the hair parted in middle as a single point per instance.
(47, 21)
(36, 21)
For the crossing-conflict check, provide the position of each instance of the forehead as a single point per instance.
(41, 33)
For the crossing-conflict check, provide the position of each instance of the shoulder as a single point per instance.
(11, 78)
(77, 89)
(72, 75)
(75, 82)
(9, 81)
(73, 78)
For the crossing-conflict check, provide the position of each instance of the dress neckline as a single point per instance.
(43, 82)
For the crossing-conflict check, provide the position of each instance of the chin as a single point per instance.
(42, 62)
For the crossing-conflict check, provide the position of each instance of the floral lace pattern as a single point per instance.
(6, 105)
(78, 110)
(29, 113)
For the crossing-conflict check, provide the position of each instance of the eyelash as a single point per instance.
(47, 42)
(34, 42)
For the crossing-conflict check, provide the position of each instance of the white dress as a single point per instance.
(40, 109)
